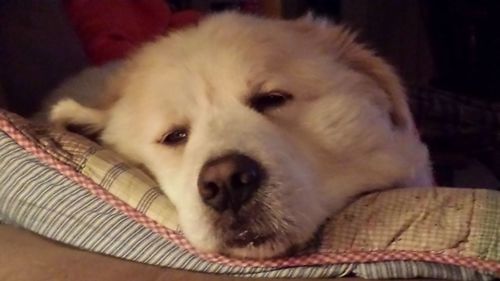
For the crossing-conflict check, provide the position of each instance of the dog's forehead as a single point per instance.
(213, 61)
(223, 60)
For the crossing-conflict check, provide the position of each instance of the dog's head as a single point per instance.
(258, 129)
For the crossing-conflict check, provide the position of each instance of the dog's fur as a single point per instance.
(347, 130)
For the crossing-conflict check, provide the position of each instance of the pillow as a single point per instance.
(69, 189)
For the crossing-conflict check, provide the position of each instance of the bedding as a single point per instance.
(69, 189)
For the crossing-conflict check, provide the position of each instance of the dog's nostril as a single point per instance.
(209, 191)
(229, 181)
(244, 178)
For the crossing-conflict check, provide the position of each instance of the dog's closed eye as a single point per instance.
(177, 136)
(264, 101)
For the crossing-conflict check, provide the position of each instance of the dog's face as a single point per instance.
(257, 130)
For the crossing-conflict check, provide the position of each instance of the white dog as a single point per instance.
(256, 129)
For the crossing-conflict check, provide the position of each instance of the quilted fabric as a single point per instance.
(69, 189)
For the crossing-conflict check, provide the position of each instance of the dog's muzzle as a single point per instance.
(228, 182)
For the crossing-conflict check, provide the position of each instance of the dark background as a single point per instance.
(446, 44)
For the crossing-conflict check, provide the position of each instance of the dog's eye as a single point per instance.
(176, 137)
(273, 99)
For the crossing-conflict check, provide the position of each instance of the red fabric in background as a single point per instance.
(111, 29)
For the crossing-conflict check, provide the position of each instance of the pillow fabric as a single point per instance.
(69, 189)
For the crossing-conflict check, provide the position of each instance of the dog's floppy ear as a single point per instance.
(73, 116)
(341, 42)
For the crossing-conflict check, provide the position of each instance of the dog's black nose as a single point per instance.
(229, 181)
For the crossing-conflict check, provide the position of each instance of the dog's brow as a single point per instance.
(209, 89)
(255, 87)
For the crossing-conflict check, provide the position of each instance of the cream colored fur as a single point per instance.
(347, 130)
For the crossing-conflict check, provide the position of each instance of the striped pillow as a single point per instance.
(69, 189)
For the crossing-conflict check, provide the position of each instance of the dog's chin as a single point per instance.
(257, 234)
(249, 243)
(263, 247)
(252, 245)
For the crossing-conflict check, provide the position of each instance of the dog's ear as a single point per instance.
(341, 42)
(75, 117)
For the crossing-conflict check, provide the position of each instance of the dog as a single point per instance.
(256, 129)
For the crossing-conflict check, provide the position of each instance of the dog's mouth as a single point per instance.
(248, 238)
(255, 232)
(263, 244)
(245, 229)
(245, 232)
(249, 243)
